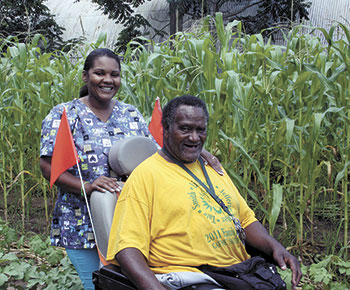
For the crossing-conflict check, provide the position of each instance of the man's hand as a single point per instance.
(284, 259)
(258, 238)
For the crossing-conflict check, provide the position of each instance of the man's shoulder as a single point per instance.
(150, 167)
(148, 163)
(146, 172)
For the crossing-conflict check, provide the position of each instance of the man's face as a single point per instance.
(185, 137)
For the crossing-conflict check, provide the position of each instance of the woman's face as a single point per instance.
(103, 79)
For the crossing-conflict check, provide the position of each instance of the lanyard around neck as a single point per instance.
(210, 189)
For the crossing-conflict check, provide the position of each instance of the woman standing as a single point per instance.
(96, 122)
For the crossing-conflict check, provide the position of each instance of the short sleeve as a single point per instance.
(143, 126)
(49, 129)
(50, 125)
(247, 215)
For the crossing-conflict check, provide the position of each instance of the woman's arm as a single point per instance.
(212, 161)
(70, 183)
(134, 266)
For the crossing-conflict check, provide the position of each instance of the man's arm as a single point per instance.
(258, 237)
(134, 266)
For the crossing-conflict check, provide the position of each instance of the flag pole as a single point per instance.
(84, 191)
(87, 202)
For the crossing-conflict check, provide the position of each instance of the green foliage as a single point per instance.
(122, 12)
(272, 13)
(41, 248)
(24, 19)
(35, 265)
(131, 31)
(329, 273)
(8, 235)
(119, 10)
(268, 13)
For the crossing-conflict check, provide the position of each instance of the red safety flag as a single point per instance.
(155, 126)
(64, 153)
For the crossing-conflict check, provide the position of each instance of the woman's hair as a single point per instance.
(89, 63)
(169, 109)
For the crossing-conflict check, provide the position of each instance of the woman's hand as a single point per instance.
(212, 161)
(102, 184)
(70, 183)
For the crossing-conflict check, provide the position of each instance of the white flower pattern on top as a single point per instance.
(71, 226)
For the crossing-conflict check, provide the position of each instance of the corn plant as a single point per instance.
(30, 87)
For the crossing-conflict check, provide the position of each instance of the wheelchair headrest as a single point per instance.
(127, 153)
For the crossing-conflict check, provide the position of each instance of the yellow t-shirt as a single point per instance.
(174, 222)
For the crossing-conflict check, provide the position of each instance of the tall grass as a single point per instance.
(279, 117)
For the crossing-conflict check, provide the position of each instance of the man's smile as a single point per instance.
(192, 146)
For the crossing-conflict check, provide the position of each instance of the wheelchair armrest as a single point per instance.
(111, 277)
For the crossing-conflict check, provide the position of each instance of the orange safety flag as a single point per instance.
(64, 153)
(155, 126)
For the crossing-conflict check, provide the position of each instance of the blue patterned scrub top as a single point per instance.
(71, 226)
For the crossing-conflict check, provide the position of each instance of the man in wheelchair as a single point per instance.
(178, 223)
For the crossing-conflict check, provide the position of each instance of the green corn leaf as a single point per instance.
(341, 174)
(275, 208)
(249, 158)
